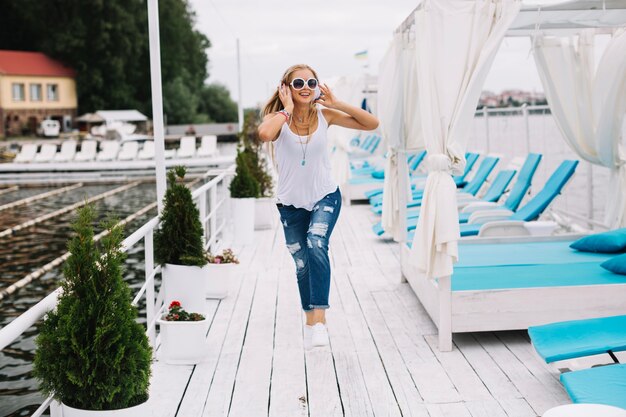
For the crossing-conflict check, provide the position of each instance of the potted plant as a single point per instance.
(92, 355)
(178, 245)
(183, 339)
(244, 188)
(222, 268)
(264, 209)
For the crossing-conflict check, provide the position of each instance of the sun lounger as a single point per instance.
(579, 338)
(87, 151)
(208, 146)
(515, 197)
(27, 153)
(602, 385)
(375, 196)
(67, 152)
(109, 150)
(515, 283)
(46, 153)
(147, 152)
(187, 147)
(472, 187)
(495, 190)
(357, 186)
(531, 210)
(129, 151)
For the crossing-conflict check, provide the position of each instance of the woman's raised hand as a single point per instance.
(327, 99)
(284, 93)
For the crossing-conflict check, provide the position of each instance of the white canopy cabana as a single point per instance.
(456, 41)
(589, 105)
(391, 108)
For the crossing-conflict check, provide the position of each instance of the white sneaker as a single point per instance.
(320, 335)
(308, 333)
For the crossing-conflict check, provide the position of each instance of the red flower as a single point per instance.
(175, 304)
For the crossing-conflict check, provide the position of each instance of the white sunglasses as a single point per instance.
(299, 83)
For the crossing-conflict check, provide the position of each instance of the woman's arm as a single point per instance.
(343, 114)
(269, 129)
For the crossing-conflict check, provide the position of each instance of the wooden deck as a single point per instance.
(383, 358)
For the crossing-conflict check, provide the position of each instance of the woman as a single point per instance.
(309, 200)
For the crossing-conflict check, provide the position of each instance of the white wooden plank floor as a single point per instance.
(383, 359)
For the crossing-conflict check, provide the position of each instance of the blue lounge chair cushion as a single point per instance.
(379, 174)
(601, 385)
(579, 338)
(607, 242)
(616, 264)
(524, 253)
(532, 276)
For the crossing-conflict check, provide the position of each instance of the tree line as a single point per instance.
(106, 42)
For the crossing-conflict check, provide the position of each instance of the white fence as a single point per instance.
(513, 132)
(208, 197)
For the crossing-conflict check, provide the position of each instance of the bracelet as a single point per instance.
(285, 113)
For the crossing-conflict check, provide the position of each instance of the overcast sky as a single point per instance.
(276, 34)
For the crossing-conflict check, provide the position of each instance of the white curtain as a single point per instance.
(588, 105)
(390, 111)
(350, 90)
(456, 41)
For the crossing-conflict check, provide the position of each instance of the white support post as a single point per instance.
(203, 214)
(487, 139)
(403, 171)
(445, 314)
(213, 219)
(157, 100)
(239, 102)
(526, 126)
(590, 193)
(150, 300)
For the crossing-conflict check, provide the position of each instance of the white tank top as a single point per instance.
(302, 185)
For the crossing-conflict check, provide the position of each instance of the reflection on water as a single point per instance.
(31, 248)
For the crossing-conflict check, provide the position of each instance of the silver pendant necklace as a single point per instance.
(302, 146)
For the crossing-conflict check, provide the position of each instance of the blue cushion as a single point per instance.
(379, 174)
(579, 338)
(616, 264)
(602, 385)
(608, 242)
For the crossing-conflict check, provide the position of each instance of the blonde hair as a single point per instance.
(274, 104)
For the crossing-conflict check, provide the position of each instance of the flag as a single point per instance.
(361, 55)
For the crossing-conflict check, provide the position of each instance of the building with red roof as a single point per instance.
(34, 87)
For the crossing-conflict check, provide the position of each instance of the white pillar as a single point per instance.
(157, 100)
(240, 104)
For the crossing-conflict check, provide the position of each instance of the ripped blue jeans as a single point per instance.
(307, 234)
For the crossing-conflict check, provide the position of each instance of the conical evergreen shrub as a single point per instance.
(243, 185)
(179, 237)
(91, 352)
(253, 148)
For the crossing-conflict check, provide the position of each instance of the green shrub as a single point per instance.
(179, 237)
(253, 147)
(91, 353)
(243, 185)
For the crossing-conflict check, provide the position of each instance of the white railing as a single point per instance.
(206, 197)
(524, 110)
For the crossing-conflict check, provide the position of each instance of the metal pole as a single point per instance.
(487, 129)
(525, 114)
(157, 100)
(240, 104)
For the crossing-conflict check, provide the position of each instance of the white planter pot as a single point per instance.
(139, 410)
(186, 284)
(183, 342)
(243, 219)
(219, 279)
(264, 213)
